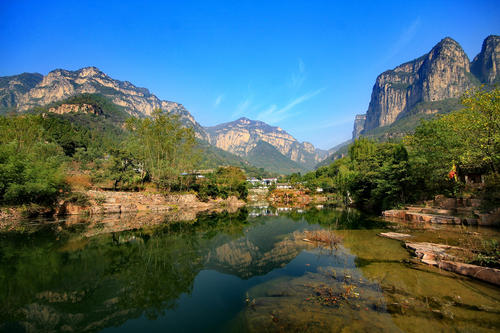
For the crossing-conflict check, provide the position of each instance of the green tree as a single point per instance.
(164, 147)
(231, 180)
(122, 169)
(31, 167)
(468, 138)
(479, 126)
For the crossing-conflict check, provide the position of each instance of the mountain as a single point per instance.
(265, 155)
(334, 153)
(441, 74)
(486, 65)
(26, 91)
(426, 86)
(421, 89)
(242, 136)
(213, 157)
(12, 88)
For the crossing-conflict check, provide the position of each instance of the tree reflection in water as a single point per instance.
(84, 277)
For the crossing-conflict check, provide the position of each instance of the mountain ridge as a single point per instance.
(444, 73)
(242, 135)
(60, 84)
(27, 91)
(422, 88)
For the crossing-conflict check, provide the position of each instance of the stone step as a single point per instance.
(431, 210)
(433, 218)
(412, 216)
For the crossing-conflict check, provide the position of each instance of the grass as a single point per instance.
(485, 252)
(79, 181)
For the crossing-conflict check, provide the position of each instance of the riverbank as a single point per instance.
(296, 198)
(92, 202)
(447, 257)
(442, 210)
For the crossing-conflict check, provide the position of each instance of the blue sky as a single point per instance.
(306, 66)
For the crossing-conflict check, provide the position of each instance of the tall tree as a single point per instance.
(163, 145)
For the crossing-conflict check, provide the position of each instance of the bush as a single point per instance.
(31, 177)
(491, 192)
(78, 198)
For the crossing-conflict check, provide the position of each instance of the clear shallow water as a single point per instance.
(230, 273)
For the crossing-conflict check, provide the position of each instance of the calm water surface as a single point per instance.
(231, 273)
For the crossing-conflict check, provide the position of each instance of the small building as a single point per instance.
(319, 190)
(283, 186)
(472, 176)
(254, 181)
(269, 181)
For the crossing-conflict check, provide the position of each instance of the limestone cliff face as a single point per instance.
(359, 125)
(60, 84)
(441, 74)
(486, 65)
(81, 108)
(241, 136)
(12, 88)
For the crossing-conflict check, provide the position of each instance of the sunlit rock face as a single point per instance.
(442, 73)
(71, 108)
(241, 136)
(486, 65)
(359, 125)
(59, 84)
(12, 88)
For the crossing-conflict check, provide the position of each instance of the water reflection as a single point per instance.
(243, 271)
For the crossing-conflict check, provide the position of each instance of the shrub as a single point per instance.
(491, 192)
(78, 198)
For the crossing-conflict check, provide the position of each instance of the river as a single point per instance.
(249, 271)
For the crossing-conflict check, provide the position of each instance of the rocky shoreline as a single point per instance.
(113, 202)
(439, 255)
(444, 210)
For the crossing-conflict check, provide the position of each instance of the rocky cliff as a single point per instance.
(359, 125)
(241, 136)
(26, 91)
(428, 85)
(61, 91)
(82, 108)
(441, 74)
(12, 88)
(486, 65)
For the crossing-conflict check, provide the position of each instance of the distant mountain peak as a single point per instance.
(486, 65)
(449, 46)
(242, 135)
(91, 71)
(448, 40)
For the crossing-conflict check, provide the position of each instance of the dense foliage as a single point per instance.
(44, 155)
(378, 175)
(162, 146)
(30, 162)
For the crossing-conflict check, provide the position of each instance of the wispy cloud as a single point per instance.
(242, 108)
(404, 38)
(328, 124)
(298, 77)
(272, 114)
(218, 100)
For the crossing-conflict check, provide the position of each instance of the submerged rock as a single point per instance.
(436, 255)
(394, 235)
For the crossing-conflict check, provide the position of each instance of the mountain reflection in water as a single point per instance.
(228, 272)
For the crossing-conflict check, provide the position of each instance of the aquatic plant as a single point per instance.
(327, 237)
